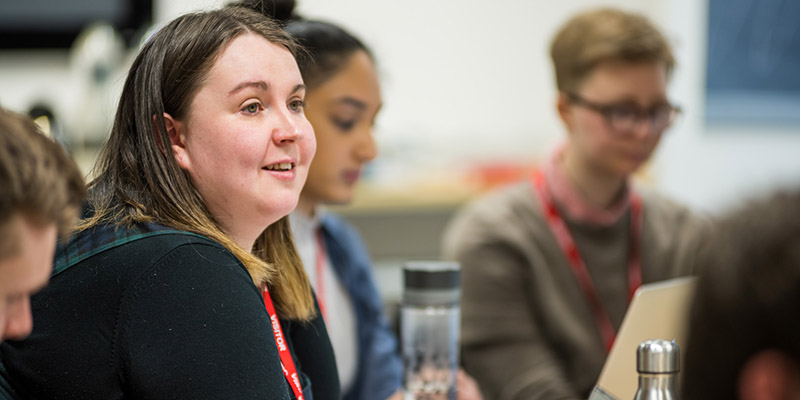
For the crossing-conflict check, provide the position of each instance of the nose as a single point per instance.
(644, 127)
(366, 150)
(19, 322)
(286, 130)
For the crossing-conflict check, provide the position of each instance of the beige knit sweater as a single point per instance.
(527, 329)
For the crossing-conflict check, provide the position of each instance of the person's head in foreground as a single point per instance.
(41, 189)
(745, 317)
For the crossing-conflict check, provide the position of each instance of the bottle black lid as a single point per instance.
(436, 275)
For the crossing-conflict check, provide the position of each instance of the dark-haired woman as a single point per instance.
(183, 281)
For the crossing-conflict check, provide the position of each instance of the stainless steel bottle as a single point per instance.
(658, 363)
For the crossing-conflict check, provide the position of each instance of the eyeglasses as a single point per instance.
(625, 117)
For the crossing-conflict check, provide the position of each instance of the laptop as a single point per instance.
(658, 310)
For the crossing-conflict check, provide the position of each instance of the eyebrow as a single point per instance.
(352, 102)
(254, 84)
(262, 86)
(630, 100)
(298, 88)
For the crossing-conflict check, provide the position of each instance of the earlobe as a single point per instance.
(563, 108)
(177, 140)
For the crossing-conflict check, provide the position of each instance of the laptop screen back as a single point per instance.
(658, 310)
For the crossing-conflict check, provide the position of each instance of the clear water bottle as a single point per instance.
(658, 363)
(429, 329)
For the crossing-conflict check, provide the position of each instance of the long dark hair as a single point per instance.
(138, 179)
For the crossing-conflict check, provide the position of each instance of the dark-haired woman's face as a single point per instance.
(246, 143)
(342, 111)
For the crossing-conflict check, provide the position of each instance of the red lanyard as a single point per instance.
(321, 258)
(570, 249)
(287, 364)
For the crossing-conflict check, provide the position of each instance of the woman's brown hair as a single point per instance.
(137, 177)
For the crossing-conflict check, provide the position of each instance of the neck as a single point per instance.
(245, 239)
(244, 236)
(598, 187)
(306, 206)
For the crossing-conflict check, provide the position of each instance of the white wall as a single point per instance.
(717, 167)
(474, 78)
(470, 81)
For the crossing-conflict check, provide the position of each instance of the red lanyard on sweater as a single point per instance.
(321, 258)
(287, 364)
(570, 250)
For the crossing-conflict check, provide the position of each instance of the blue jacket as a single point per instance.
(380, 368)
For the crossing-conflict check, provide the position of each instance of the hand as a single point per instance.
(466, 387)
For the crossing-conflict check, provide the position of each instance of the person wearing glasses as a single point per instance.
(550, 264)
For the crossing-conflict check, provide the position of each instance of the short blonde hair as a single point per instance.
(601, 35)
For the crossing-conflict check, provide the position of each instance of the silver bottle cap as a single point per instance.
(658, 356)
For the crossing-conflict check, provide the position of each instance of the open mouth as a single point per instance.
(280, 167)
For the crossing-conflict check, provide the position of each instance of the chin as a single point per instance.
(626, 167)
(340, 199)
(277, 210)
(629, 169)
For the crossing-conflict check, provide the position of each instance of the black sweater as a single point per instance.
(164, 317)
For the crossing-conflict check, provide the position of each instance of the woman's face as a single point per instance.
(632, 86)
(342, 111)
(246, 142)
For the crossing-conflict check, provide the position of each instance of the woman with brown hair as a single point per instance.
(183, 281)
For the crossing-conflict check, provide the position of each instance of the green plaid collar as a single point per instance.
(95, 240)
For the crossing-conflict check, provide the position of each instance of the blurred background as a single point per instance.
(468, 96)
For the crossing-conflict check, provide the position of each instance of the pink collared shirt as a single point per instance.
(572, 202)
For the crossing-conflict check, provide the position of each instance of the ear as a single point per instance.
(176, 131)
(563, 106)
(768, 375)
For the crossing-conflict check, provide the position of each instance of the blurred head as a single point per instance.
(745, 317)
(40, 199)
(342, 102)
(342, 110)
(210, 137)
(612, 69)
